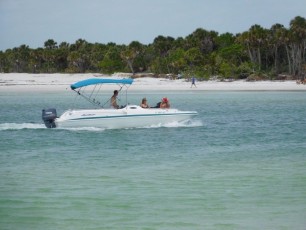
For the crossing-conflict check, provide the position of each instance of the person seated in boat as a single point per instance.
(144, 103)
(114, 100)
(164, 103)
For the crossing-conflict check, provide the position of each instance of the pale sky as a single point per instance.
(32, 22)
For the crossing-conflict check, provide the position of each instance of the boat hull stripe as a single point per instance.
(133, 115)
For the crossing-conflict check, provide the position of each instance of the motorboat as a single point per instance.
(128, 116)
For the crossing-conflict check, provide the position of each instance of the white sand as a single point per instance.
(14, 82)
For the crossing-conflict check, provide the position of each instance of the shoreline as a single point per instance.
(23, 82)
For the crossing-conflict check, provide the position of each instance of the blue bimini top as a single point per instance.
(95, 81)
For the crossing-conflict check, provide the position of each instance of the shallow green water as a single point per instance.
(241, 164)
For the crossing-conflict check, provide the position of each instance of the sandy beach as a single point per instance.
(23, 82)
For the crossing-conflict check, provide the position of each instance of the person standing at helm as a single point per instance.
(114, 100)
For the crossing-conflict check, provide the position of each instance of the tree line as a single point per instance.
(256, 53)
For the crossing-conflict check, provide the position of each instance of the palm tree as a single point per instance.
(202, 39)
(255, 41)
(297, 45)
(50, 44)
(130, 53)
(276, 39)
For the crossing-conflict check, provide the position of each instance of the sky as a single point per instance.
(32, 22)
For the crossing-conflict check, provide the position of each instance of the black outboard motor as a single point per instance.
(48, 116)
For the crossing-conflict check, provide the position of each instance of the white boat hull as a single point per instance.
(132, 116)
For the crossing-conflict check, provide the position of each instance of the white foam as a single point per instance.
(91, 129)
(186, 123)
(20, 126)
(16, 126)
(176, 124)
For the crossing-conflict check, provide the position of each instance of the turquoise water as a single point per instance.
(241, 164)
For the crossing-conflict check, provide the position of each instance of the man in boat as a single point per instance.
(114, 100)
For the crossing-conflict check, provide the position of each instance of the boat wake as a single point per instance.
(177, 124)
(19, 126)
(90, 129)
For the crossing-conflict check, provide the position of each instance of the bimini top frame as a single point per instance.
(96, 81)
(78, 86)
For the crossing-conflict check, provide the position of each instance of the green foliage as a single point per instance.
(112, 61)
(244, 70)
(226, 70)
(258, 52)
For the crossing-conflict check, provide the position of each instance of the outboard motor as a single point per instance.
(48, 116)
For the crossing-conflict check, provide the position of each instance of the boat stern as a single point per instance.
(49, 116)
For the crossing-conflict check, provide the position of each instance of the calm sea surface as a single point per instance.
(241, 164)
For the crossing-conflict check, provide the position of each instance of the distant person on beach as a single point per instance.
(144, 103)
(165, 103)
(114, 100)
(193, 82)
